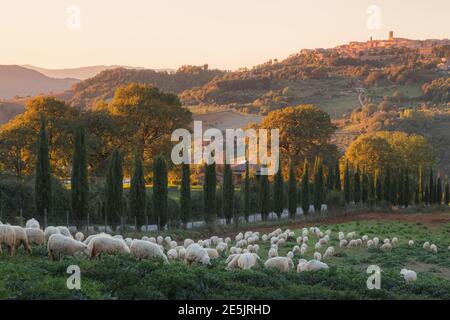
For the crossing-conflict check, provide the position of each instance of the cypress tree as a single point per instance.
(401, 185)
(305, 188)
(247, 192)
(264, 196)
(337, 177)
(387, 186)
(228, 194)
(43, 183)
(160, 191)
(432, 188)
(185, 194)
(365, 187)
(378, 186)
(420, 193)
(406, 189)
(138, 192)
(447, 192)
(438, 191)
(357, 186)
(292, 191)
(427, 195)
(330, 178)
(209, 193)
(79, 181)
(347, 192)
(394, 190)
(278, 193)
(318, 185)
(114, 189)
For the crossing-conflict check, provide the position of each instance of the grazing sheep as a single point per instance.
(173, 244)
(239, 237)
(365, 238)
(273, 252)
(21, 239)
(32, 224)
(65, 232)
(386, 241)
(341, 236)
(317, 256)
(227, 240)
(315, 265)
(8, 239)
(93, 236)
(323, 241)
(411, 243)
(35, 236)
(188, 242)
(152, 239)
(212, 253)
(376, 241)
(141, 249)
(282, 264)
(128, 241)
(118, 236)
(305, 239)
(352, 243)
(409, 275)
(343, 243)
(328, 253)
(182, 253)
(317, 246)
(195, 253)
(221, 247)
(426, 245)
(265, 237)
(301, 265)
(433, 248)
(108, 245)
(243, 261)
(394, 240)
(359, 242)
(296, 249)
(172, 254)
(79, 236)
(303, 250)
(159, 240)
(290, 255)
(58, 245)
(386, 247)
(49, 231)
(370, 244)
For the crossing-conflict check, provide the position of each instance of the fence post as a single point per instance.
(106, 221)
(87, 230)
(21, 218)
(45, 217)
(135, 224)
(146, 223)
(67, 219)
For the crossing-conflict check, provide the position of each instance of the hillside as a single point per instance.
(20, 81)
(81, 73)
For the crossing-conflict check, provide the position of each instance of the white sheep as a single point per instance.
(118, 236)
(21, 239)
(365, 238)
(32, 224)
(303, 250)
(35, 236)
(386, 247)
(315, 265)
(426, 245)
(317, 246)
(195, 253)
(394, 240)
(409, 275)
(290, 255)
(317, 256)
(212, 253)
(79, 236)
(49, 231)
(128, 241)
(141, 249)
(273, 252)
(296, 249)
(227, 240)
(328, 253)
(65, 231)
(243, 261)
(181, 253)
(265, 237)
(8, 239)
(343, 243)
(301, 265)
(282, 264)
(159, 240)
(173, 244)
(58, 245)
(188, 242)
(411, 243)
(433, 248)
(376, 241)
(221, 247)
(370, 244)
(108, 245)
(172, 254)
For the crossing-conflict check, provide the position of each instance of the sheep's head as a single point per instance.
(205, 260)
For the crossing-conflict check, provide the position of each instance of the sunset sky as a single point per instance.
(226, 34)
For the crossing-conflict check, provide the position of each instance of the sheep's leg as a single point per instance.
(11, 250)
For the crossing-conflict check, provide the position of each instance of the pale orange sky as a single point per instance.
(227, 34)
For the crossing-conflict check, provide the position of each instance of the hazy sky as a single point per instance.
(227, 34)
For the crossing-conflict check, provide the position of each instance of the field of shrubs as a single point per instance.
(122, 277)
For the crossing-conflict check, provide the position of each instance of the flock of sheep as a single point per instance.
(242, 253)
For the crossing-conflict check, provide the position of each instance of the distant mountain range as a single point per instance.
(17, 81)
(81, 73)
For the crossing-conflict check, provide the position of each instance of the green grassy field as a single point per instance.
(122, 277)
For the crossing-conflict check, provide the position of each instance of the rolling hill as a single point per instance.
(19, 81)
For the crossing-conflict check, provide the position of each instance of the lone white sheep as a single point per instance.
(409, 275)
(282, 264)
(426, 245)
(433, 249)
(411, 243)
